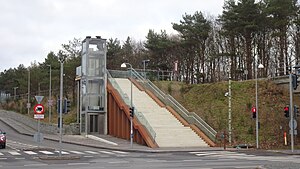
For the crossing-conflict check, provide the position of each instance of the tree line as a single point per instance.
(204, 50)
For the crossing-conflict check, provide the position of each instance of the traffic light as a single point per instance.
(294, 81)
(67, 106)
(296, 111)
(253, 112)
(286, 111)
(131, 110)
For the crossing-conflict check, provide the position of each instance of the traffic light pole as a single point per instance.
(229, 108)
(131, 104)
(256, 106)
(291, 111)
(61, 106)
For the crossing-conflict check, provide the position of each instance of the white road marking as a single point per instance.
(14, 153)
(120, 152)
(1, 154)
(21, 158)
(106, 152)
(76, 152)
(91, 152)
(63, 152)
(34, 165)
(47, 152)
(30, 152)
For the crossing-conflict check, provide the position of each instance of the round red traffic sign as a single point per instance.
(39, 109)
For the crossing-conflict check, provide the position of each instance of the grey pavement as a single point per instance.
(110, 142)
(97, 141)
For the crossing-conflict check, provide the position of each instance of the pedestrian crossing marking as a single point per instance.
(30, 152)
(63, 152)
(120, 152)
(106, 152)
(14, 153)
(91, 152)
(76, 152)
(87, 153)
(47, 152)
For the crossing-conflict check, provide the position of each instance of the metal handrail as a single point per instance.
(139, 116)
(190, 117)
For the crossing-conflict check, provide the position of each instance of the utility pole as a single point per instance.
(60, 103)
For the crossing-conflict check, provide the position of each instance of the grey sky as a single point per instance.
(30, 29)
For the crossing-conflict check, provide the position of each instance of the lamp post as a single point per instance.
(28, 97)
(15, 92)
(61, 59)
(49, 99)
(260, 66)
(144, 63)
(124, 65)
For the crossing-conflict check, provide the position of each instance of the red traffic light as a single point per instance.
(286, 108)
(253, 109)
(286, 111)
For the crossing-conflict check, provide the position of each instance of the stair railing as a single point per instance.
(190, 117)
(139, 116)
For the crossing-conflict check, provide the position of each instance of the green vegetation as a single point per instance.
(210, 103)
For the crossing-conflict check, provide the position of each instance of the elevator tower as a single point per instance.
(93, 109)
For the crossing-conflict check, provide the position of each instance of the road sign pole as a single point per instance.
(39, 132)
(38, 114)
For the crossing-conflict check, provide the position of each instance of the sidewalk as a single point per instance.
(97, 141)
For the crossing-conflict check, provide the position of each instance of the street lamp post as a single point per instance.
(124, 65)
(28, 97)
(60, 105)
(50, 99)
(260, 66)
(144, 63)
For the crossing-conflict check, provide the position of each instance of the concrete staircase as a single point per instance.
(169, 131)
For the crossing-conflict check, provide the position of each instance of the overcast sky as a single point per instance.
(30, 29)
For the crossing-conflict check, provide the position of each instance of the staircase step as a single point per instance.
(169, 131)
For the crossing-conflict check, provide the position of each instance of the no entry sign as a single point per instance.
(39, 111)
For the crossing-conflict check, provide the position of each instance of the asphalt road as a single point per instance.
(23, 152)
